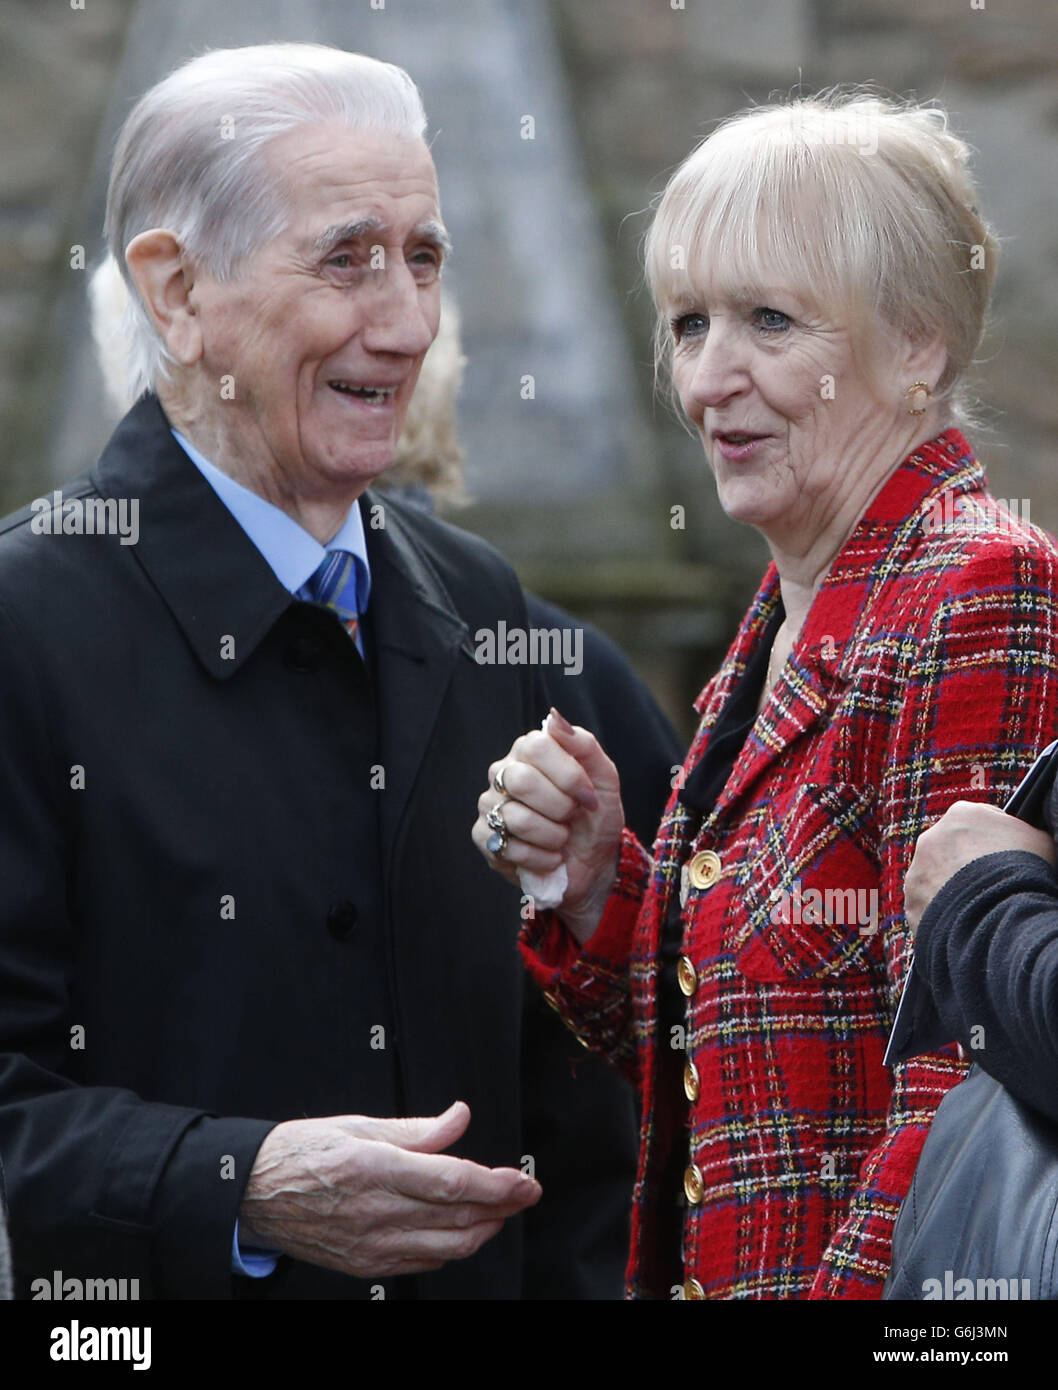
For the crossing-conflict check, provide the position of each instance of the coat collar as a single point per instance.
(824, 660)
(215, 581)
(217, 586)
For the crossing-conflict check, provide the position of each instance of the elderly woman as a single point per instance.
(822, 277)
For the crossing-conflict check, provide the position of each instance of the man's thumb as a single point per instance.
(428, 1134)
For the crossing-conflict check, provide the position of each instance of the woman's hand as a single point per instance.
(561, 805)
(966, 831)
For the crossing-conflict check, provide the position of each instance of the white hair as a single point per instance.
(189, 157)
(864, 204)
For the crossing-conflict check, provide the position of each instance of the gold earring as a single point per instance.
(914, 390)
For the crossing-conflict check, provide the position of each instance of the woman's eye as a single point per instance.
(771, 320)
(688, 326)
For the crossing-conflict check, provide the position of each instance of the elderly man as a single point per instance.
(242, 933)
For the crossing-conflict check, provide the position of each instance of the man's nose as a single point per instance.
(398, 313)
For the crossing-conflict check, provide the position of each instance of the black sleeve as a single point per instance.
(99, 1183)
(988, 947)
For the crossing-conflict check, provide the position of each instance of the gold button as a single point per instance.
(692, 1289)
(686, 975)
(690, 1081)
(693, 1186)
(550, 998)
(704, 868)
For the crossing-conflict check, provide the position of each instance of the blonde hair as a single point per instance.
(860, 203)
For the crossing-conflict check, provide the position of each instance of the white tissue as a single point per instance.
(546, 890)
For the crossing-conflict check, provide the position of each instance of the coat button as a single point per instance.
(686, 975)
(690, 1081)
(303, 654)
(341, 920)
(692, 1289)
(693, 1185)
(705, 868)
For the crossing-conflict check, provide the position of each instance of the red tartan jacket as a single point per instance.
(926, 672)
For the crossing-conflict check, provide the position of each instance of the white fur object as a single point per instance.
(546, 890)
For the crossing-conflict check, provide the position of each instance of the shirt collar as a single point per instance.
(292, 554)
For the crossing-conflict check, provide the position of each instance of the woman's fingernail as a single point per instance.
(561, 720)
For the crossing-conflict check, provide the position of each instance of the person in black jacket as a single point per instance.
(983, 895)
(263, 1031)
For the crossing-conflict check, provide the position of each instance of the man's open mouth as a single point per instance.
(373, 395)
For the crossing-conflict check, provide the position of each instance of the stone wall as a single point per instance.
(56, 67)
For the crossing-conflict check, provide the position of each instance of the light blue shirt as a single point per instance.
(294, 557)
(292, 554)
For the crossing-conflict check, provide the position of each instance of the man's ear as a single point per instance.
(163, 278)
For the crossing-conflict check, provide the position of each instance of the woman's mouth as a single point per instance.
(737, 445)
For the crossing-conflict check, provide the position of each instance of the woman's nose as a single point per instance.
(716, 374)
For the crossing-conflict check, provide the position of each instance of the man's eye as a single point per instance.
(688, 326)
(343, 261)
(426, 260)
(771, 320)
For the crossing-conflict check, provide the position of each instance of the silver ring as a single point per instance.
(497, 841)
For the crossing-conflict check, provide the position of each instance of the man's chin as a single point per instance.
(361, 466)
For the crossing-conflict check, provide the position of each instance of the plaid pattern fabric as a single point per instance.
(926, 672)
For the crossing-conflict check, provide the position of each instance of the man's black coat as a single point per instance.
(237, 886)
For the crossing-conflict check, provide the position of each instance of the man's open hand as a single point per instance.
(374, 1197)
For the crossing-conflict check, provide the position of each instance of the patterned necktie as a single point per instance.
(334, 584)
